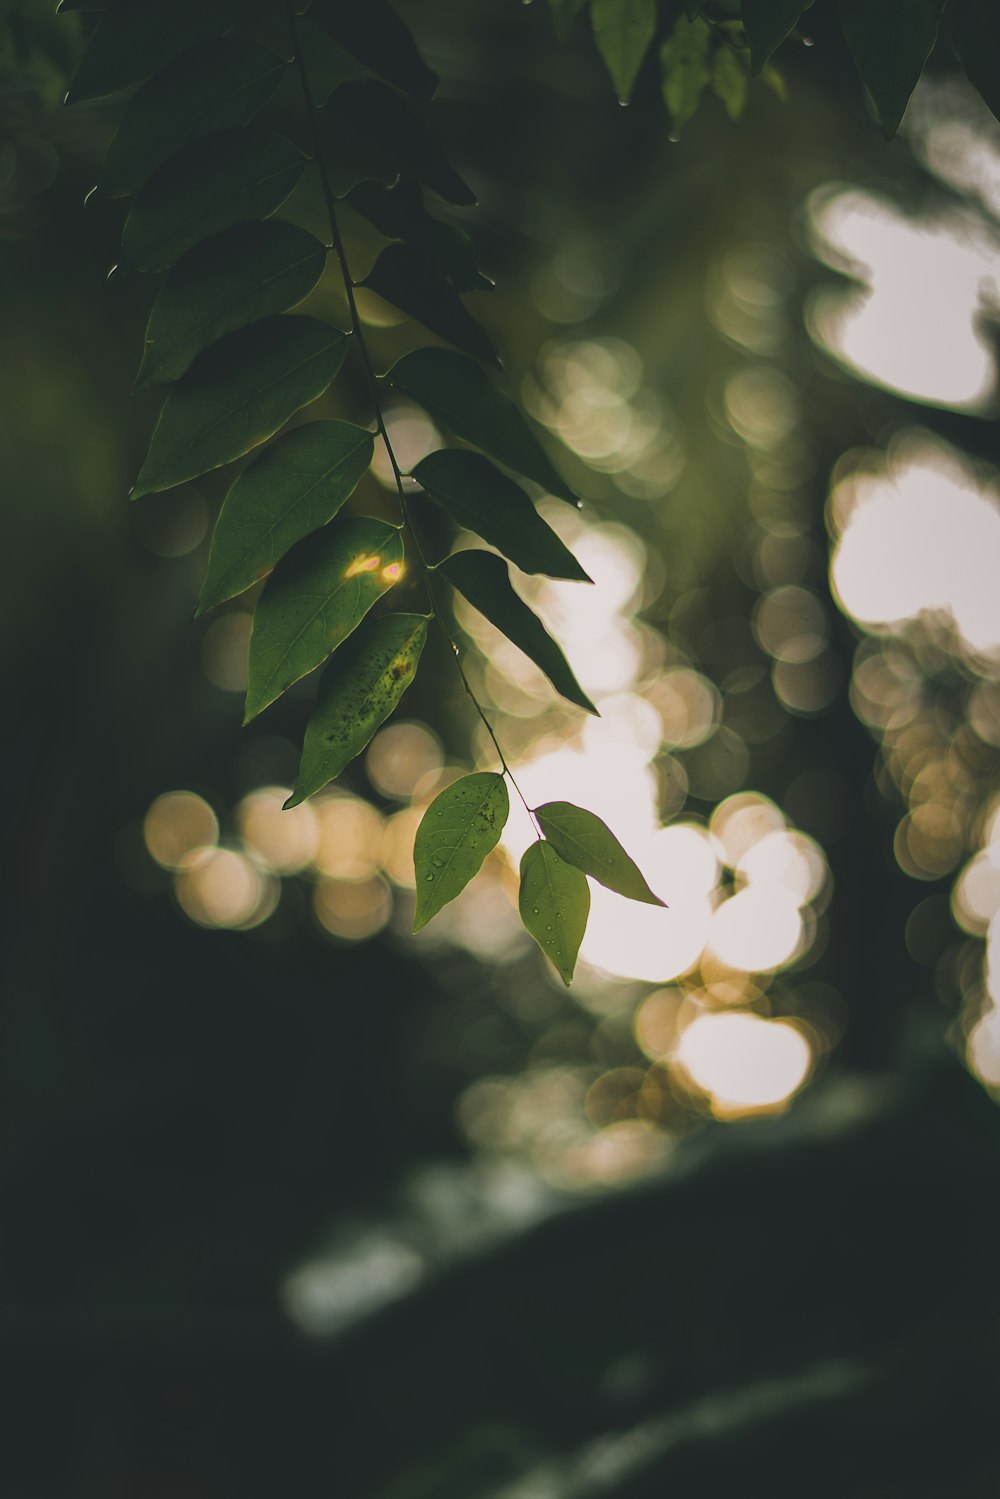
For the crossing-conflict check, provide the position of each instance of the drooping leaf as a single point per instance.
(554, 903)
(684, 62)
(135, 38)
(976, 35)
(891, 40)
(583, 840)
(564, 13)
(227, 179)
(460, 827)
(375, 118)
(623, 30)
(210, 88)
(294, 487)
(314, 599)
(767, 23)
(247, 273)
(483, 579)
(399, 213)
(479, 497)
(358, 690)
(237, 394)
(730, 81)
(373, 33)
(408, 279)
(455, 391)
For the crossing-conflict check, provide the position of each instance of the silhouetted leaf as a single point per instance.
(358, 690)
(460, 827)
(237, 395)
(583, 840)
(891, 40)
(249, 272)
(294, 487)
(399, 213)
(373, 33)
(564, 13)
(976, 34)
(455, 391)
(554, 902)
(227, 179)
(730, 81)
(767, 23)
(410, 281)
(373, 117)
(623, 30)
(313, 600)
(479, 497)
(684, 60)
(136, 38)
(208, 89)
(483, 579)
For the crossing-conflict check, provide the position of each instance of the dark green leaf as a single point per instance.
(208, 89)
(314, 599)
(373, 33)
(583, 840)
(767, 23)
(409, 279)
(237, 395)
(976, 34)
(228, 179)
(684, 60)
(554, 902)
(483, 579)
(460, 827)
(137, 38)
(455, 391)
(479, 497)
(374, 118)
(623, 30)
(246, 273)
(564, 13)
(357, 692)
(294, 487)
(730, 81)
(891, 40)
(399, 213)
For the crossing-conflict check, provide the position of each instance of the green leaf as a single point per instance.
(730, 81)
(767, 23)
(623, 30)
(227, 179)
(891, 40)
(455, 391)
(976, 35)
(409, 280)
(564, 13)
(294, 487)
(313, 600)
(136, 38)
(399, 213)
(374, 119)
(246, 273)
(357, 692)
(237, 394)
(460, 827)
(373, 33)
(554, 902)
(684, 61)
(211, 88)
(583, 840)
(479, 497)
(483, 579)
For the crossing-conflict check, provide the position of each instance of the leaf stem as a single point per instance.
(337, 244)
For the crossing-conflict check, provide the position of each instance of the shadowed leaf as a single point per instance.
(554, 902)
(409, 279)
(460, 827)
(767, 23)
(137, 38)
(399, 213)
(891, 40)
(623, 30)
(583, 840)
(373, 33)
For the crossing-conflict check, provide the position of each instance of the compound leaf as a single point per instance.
(294, 487)
(409, 279)
(583, 840)
(767, 23)
(891, 40)
(454, 390)
(373, 33)
(684, 61)
(483, 579)
(358, 690)
(554, 902)
(460, 827)
(237, 394)
(136, 38)
(314, 599)
(623, 30)
(479, 497)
